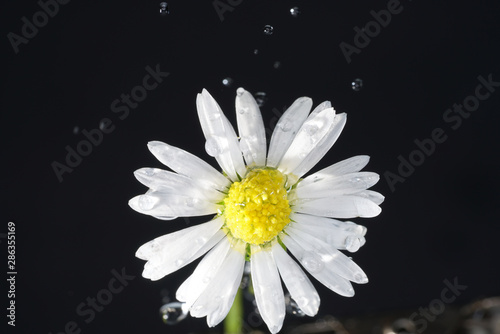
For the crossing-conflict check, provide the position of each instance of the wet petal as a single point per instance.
(250, 128)
(340, 185)
(286, 129)
(267, 287)
(348, 206)
(296, 281)
(351, 165)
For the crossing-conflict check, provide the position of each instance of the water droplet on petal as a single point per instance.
(311, 129)
(240, 91)
(268, 29)
(147, 202)
(292, 307)
(352, 244)
(312, 262)
(212, 147)
(173, 313)
(179, 262)
(227, 82)
(285, 126)
(295, 12)
(242, 110)
(164, 8)
(190, 202)
(357, 84)
(244, 146)
(260, 98)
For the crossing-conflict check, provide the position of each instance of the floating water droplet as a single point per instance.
(295, 12)
(357, 85)
(228, 82)
(212, 147)
(164, 8)
(76, 130)
(260, 98)
(292, 307)
(268, 29)
(147, 202)
(277, 65)
(173, 313)
(256, 51)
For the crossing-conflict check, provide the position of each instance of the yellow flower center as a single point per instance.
(257, 209)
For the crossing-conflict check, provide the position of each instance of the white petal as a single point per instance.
(351, 165)
(312, 132)
(216, 300)
(296, 281)
(330, 256)
(373, 196)
(267, 287)
(322, 147)
(322, 106)
(286, 128)
(250, 128)
(222, 142)
(188, 164)
(168, 182)
(340, 185)
(339, 234)
(168, 204)
(317, 267)
(349, 206)
(173, 251)
(204, 273)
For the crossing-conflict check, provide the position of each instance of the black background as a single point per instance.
(441, 223)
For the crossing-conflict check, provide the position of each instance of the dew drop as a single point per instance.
(179, 262)
(147, 202)
(357, 85)
(311, 129)
(268, 29)
(292, 307)
(173, 313)
(312, 263)
(240, 91)
(189, 202)
(352, 244)
(242, 111)
(212, 147)
(295, 12)
(228, 82)
(260, 98)
(285, 126)
(164, 8)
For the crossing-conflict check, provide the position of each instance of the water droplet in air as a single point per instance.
(164, 8)
(277, 65)
(357, 84)
(76, 130)
(294, 11)
(260, 98)
(268, 29)
(212, 147)
(173, 313)
(227, 82)
(292, 307)
(256, 51)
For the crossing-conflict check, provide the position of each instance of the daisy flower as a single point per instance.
(263, 207)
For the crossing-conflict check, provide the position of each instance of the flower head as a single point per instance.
(263, 207)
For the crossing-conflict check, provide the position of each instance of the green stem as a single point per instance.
(233, 323)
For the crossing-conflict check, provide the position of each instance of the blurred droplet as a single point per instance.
(292, 307)
(227, 82)
(277, 65)
(357, 84)
(76, 130)
(256, 51)
(173, 313)
(164, 8)
(268, 29)
(260, 98)
(294, 11)
(212, 147)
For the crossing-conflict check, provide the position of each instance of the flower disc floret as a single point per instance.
(257, 208)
